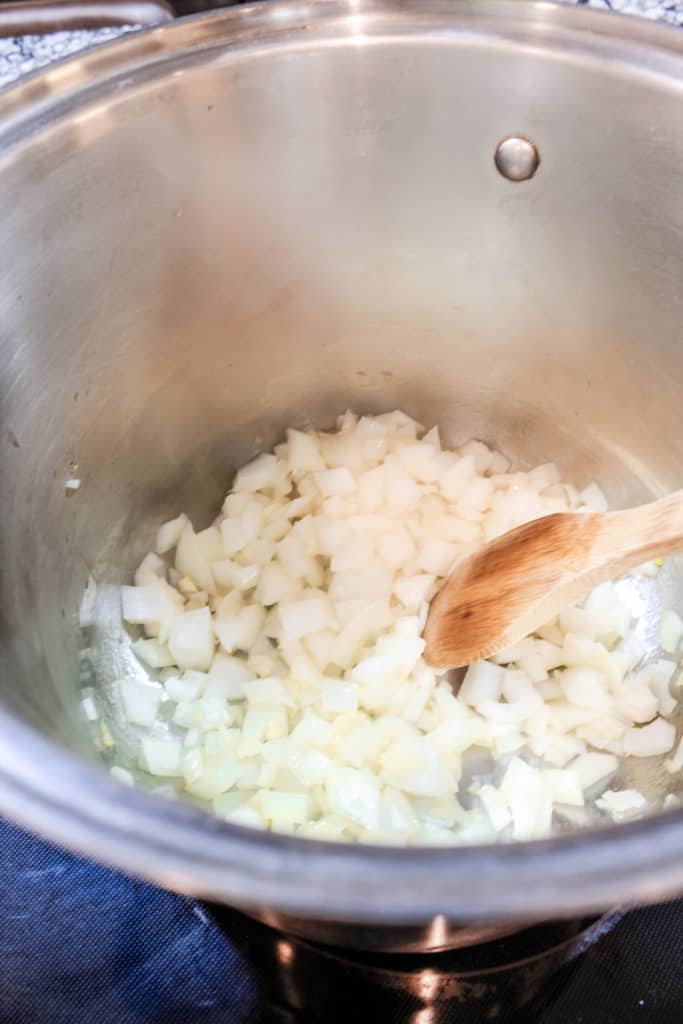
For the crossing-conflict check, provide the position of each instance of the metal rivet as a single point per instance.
(516, 158)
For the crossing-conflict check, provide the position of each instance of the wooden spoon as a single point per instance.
(524, 578)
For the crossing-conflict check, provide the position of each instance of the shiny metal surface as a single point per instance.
(497, 981)
(432, 936)
(517, 159)
(258, 218)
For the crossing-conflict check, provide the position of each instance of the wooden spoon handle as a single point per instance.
(628, 538)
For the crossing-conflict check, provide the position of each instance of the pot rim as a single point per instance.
(68, 800)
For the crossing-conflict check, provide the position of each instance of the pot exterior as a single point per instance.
(259, 218)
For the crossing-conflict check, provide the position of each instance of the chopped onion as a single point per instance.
(622, 804)
(353, 795)
(143, 604)
(169, 534)
(191, 560)
(528, 798)
(154, 653)
(161, 755)
(301, 618)
(483, 682)
(496, 806)
(191, 641)
(675, 764)
(564, 787)
(287, 634)
(186, 688)
(670, 631)
(151, 570)
(122, 775)
(141, 700)
(260, 473)
(290, 808)
(649, 740)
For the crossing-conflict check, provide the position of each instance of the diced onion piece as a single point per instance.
(594, 499)
(185, 688)
(231, 574)
(300, 618)
(282, 807)
(238, 632)
(396, 547)
(622, 804)
(191, 560)
(122, 775)
(262, 722)
(311, 731)
(586, 688)
(228, 676)
(397, 814)
(420, 460)
(412, 591)
(483, 682)
(210, 544)
(564, 786)
(339, 697)
(169, 534)
(416, 766)
(215, 773)
(635, 701)
(675, 764)
(649, 740)
(154, 653)
(543, 476)
(374, 584)
(258, 475)
(225, 804)
(141, 700)
(212, 713)
(496, 807)
(191, 641)
(303, 452)
(353, 794)
(143, 604)
(192, 765)
(248, 817)
(436, 556)
(276, 585)
(335, 482)
(267, 691)
(659, 675)
(529, 800)
(309, 766)
(150, 571)
(162, 755)
(670, 631)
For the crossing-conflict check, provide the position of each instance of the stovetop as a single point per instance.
(80, 944)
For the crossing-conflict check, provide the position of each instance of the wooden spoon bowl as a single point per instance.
(522, 579)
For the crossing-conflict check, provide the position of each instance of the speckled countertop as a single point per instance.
(22, 54)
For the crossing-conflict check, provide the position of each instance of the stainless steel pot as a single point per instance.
(263, 216)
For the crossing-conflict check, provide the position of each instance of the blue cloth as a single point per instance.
(80, 944)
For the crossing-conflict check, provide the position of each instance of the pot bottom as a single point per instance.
(499, 980)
